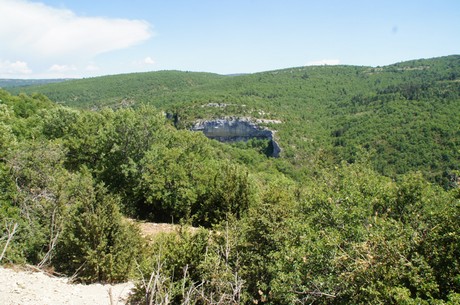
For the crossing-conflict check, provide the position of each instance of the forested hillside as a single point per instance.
(362, 206)
(404, 117)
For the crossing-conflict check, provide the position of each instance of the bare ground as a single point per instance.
(151, 229)
(27, 287)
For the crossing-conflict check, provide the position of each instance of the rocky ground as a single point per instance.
(27, 287)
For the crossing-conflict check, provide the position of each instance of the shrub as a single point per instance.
(97, 243)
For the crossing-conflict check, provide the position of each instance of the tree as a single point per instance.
(97, 243)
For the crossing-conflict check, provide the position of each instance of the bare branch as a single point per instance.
(11, 230)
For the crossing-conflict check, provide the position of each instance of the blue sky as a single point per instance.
(82, 38)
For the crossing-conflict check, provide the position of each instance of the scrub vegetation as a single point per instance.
(361, 207)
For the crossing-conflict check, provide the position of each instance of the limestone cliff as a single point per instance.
(236, 129)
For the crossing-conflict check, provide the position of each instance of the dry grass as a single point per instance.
(151, 229)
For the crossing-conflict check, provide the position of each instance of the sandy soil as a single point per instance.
(37, 288)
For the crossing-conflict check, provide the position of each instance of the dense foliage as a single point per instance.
(406, 115)
(363, 206)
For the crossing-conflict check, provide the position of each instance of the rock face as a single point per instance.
(236, 129)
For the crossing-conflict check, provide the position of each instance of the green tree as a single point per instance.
(265, 231)
(97, 244)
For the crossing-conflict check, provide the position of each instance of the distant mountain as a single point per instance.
(236, 74)
(12, 83)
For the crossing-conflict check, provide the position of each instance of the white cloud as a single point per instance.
(62, 68)
(37, 30)
(324, 62)
(92, 68)
(149, 61)
(11, 69)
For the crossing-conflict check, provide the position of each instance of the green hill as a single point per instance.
(115, 90)
(404, 117)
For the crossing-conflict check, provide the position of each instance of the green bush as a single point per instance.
(97, 244)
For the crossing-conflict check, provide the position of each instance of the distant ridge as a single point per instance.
(13, 83)
(236, 74)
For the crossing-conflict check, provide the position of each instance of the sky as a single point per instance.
(86, 38)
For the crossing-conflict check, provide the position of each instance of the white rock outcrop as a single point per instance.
(236, 129)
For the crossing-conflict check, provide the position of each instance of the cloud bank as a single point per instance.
(9, 69)
(30, 31)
